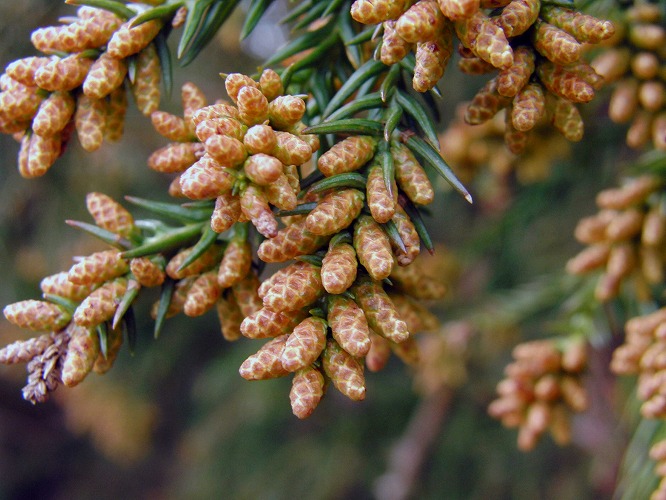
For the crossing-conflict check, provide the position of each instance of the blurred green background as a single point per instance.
(176, 421)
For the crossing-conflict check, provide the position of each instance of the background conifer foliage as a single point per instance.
(333, 249)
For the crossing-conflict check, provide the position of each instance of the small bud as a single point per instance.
(379, 311)
(306, 391)
(206, 179)
(349, 326)
(300, 287)
(147, 272)
(347, 155)
(98, 268)
(290, 242)
(338, 270)
(265, 363)
(235, 264)
(106, 74)
(82, 351)
(175, 157)
(255, 207)
(101, 304)
(127, 41)
(305, 344)
(54, 113)
(109, 214)
(90, 120)
(147, 78)
(344, 371)
(36, 315)
(230, 317)
(226, 212)
(202, 295)
(335, 212)
(373, 248)
(394, 48)
(270, 84)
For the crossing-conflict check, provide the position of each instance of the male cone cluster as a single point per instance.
(244, 155)
(326, 316)
(536, 48)
(78, 84)
(542, 387)
(633, 64)
(625, 238)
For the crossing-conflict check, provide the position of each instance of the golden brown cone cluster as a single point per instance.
(77, 85)
(625, 238)
(542, 388)
(76, 303)
(476, 150)
(244, 154)
(545, 77)
(634, 65)
(536, 50)
(320, 337)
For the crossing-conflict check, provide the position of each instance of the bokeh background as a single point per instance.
(176, 421)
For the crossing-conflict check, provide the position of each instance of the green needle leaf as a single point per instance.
(315, 260)
(362, 37)
(130, 329)
(416, 110)
(419, 225)
(165, 301)
(254, 14)
(172, 210)
(392, 117)
(391, 231)
(305, 41)
(193, 21)
(388, 166)
(164, 55)
(431, 156)
(348, 180)
(357, 126)
(358, 78)
(106, 236)
(388, 85)
(207, 239)
(131, 293)
(165, 12)
(218, 13)
(163, 242)
(368, 101)
(303, 209)
(103, 334)
(69, 305)
(118, 8)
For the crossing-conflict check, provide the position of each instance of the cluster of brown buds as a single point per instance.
(78, 84)
(78, 304)
(635, 65)
(342, 287)
(542, 387)
(472, 149)
(644, 354)
(542, 77)
(537, 50)
(315, 332)
(245, 156)
(626, 237)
